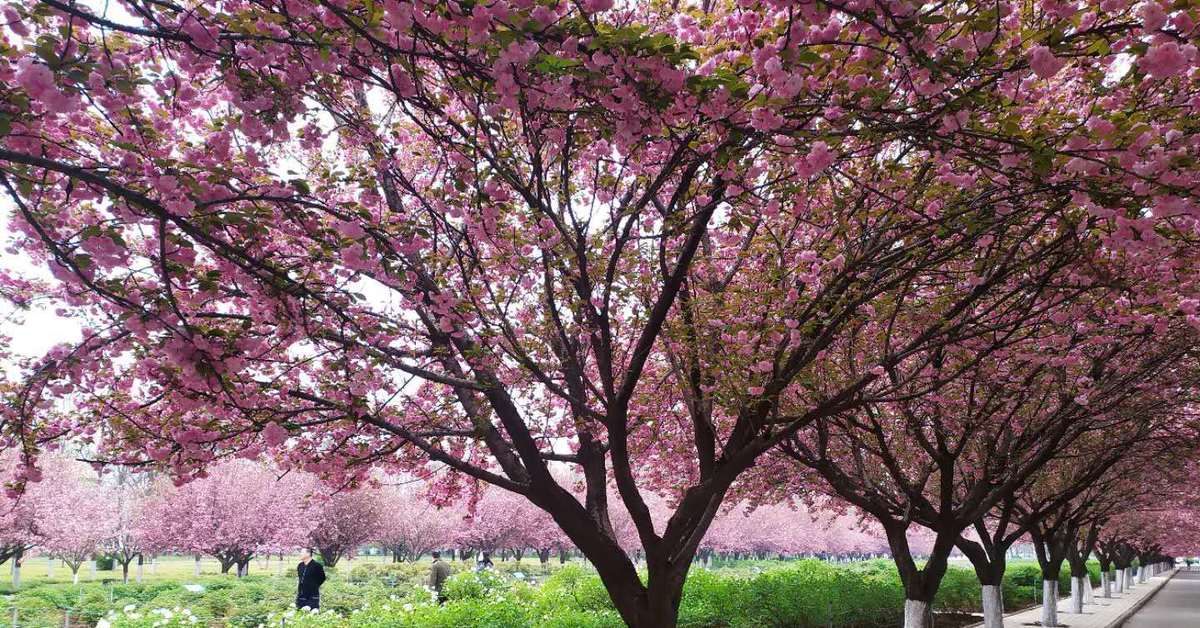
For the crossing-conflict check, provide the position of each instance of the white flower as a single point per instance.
(408, 608)
(129, 607)
(103, 623)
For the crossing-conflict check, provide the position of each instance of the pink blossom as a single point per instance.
(274, 434)
(1152, 15)
(1044, 63)
(1164, 60)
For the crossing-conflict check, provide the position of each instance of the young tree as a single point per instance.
(132, 534)
(19, 516)
(344, 521)
(577, 227)
(235, 511)
(413, 526)
(78, 521)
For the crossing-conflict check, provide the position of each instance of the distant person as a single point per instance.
(311, 575)
(438, 572)
(485, 562)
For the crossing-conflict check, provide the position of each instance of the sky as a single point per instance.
(38, 329)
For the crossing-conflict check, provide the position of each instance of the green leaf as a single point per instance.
(553, 64)
(301, 186)
(808, 56)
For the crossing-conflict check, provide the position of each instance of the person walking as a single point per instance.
(438, 572)
(308, 588)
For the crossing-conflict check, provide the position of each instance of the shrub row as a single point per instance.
(795, 594)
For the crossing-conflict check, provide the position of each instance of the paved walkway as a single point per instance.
(1105, 613)
(1178, 604)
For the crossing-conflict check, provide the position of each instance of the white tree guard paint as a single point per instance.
(196, 568)
(1088, 594)
(916, 614)
(1076, 595)
(50, 567)
(16, 574)
(993, 606)
(1142, 574)
(1049, 602)
(1105, 584)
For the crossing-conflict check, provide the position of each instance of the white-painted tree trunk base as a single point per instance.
(1089, 596)
(1076, 595)
(196, 569)
(75, 578)
(1141, 575)
(16, 575)
(916, 614)
(139, 572)
(50, 568)
(1105, 585)
(1049, 602)
(993, 606)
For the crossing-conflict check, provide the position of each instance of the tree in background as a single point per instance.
(78, 519)
(344, 521)
(238, 509)
(132, 535)
(413, 526)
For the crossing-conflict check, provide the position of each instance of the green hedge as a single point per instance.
(791, 594)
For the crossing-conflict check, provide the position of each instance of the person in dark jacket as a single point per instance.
(308, 588)
(438, 572)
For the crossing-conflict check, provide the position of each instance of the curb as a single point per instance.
(1120, 619)
(1124, 617)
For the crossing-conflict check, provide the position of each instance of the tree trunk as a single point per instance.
(990, 562)
(141, 561)
(50, 567)
(196, 570)
(920, 585)
(1088, 593)
(1076, 595)
(1049, 602)
(125, 571)
(993, 606)
(1105, 584)
(16, 570)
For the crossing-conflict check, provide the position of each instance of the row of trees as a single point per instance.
(936, 260)
(243, 510)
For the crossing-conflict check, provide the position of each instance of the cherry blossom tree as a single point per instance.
(413, 526)
(77, 519)
(132, 535)
(344, 521)
(515, 235)
(238, 509)
(19, 516)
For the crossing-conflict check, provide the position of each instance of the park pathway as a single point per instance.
(1108, 613)
(1178, 604)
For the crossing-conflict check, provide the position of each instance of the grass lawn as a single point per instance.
(37, 570)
